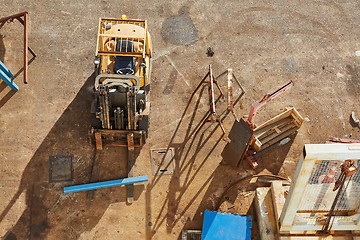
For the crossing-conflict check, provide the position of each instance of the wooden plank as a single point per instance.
(98, 141)
(26, 19)
(262, 132)
(230, 102)
(265, 214)
(275, 133)
(278, 198)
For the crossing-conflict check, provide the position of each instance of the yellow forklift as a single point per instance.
(121, 105)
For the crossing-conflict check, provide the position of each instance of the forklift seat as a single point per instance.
(124, 64)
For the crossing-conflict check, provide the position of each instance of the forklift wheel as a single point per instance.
(96, 123)
(144, 124)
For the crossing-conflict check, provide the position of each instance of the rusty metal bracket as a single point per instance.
(230, 90)
(116, 138)
(23, 18)
(343, 140)
(257, 105)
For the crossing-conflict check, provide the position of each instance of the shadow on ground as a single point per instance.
(2, 48)
(3, 85)
(223, 190)
(50, 214)
(199, 141)
(207, 137)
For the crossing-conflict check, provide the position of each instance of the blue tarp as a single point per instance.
(226, 226)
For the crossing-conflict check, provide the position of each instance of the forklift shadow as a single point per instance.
(7, 96)
(49, 213)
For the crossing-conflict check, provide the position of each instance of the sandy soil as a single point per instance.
(266, 44)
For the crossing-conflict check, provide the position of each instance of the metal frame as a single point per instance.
(101, 37)
(290, 222)
(6, 75)
(23, 18)
(230, 86)
(212, 115)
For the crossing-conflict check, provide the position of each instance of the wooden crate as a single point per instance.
(276, 129)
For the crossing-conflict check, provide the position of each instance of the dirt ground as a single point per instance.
(266, 44)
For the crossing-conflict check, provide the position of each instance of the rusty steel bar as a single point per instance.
(24, 22)
(115, 131)
(317, 235)
(26, 16)
(326, 211)
(211, 92)
(11, 17)
(266, 98)
(343, 140)
(230, 103)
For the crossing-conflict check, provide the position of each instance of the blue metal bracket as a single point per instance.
(105, 184)
(6, 75)
(6, 70)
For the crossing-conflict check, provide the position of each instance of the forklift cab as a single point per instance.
(124, 65)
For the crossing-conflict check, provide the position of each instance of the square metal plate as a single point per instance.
(61, 168)
(162, 161)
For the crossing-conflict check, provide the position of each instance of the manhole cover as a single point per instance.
(162, 161)
(61, 168)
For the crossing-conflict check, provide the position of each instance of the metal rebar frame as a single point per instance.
(23, 18)
(230, 93)
(211, 82)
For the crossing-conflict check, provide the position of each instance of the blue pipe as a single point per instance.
(6, 70)
(105, 184)
(8, 81)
